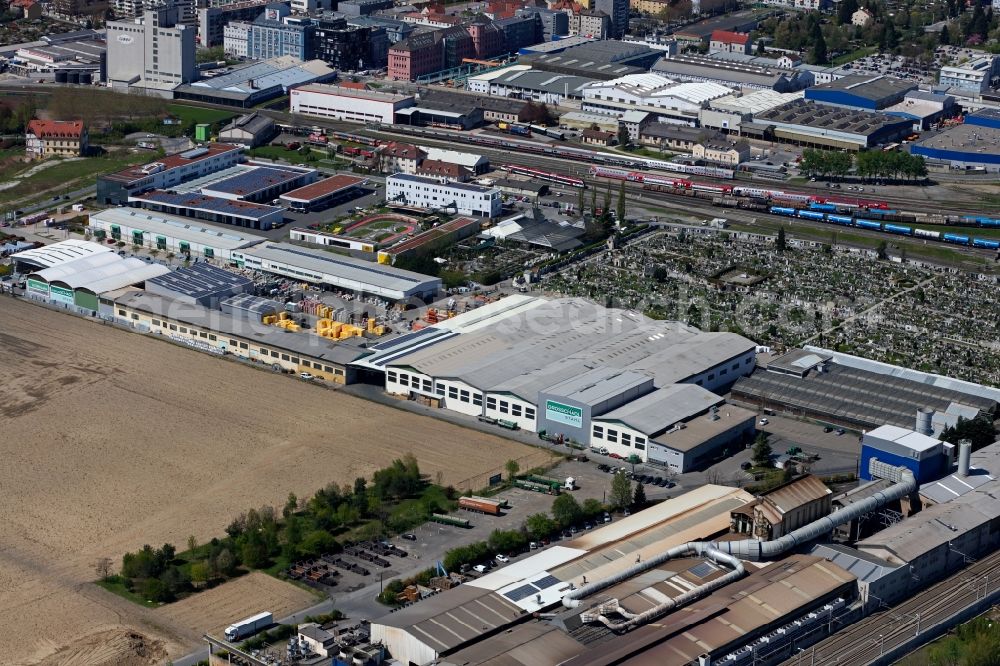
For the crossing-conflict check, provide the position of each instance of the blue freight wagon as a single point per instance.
(841, 219)
(869, 224)
(956, 238)
(779, 210)
(988, 244)
(811, 215)
(897, 229)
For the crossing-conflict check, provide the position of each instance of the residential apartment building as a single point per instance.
(48, 138)
(235, 38)
(398, 157)
(152, 52)
(554, 23)
(212, 21)
(592, 23)
(617, 11)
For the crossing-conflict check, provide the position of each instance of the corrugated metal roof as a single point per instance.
(655, 412)
(61, 252)
(797, 493)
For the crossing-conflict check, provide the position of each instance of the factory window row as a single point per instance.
(612, 435)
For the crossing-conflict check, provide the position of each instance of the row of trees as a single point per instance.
(397, 499)
(893, 164)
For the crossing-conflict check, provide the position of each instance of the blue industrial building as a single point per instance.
(971, 145)
(984, 118)
(921, 454)
(870, 93)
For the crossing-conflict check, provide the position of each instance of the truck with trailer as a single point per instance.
(480, 504)
(249, 626)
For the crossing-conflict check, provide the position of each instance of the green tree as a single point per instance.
(506, 541)
(291, 504)
(592, 508)
(580, 199)
(316, 543)
(979, 431)
(883, 251)
(639, 496)
(890, 38)
(660, 274)
(781, 244)
(621, 491)
(845, 11)
(606, 208)
(566, 510)
(200, 571)
(153, 589)
(539, 525)
(761, 453)
(225, 562)
(253, 550)
(944, 37)
(623, 136)
(817, 53)
(593, 200)
(620, 209)
(512, 468)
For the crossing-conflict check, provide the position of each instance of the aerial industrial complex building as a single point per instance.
(515, 361)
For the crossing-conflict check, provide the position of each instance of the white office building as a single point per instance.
(235, 38)
(154, 52)
(974, 76)
(365, 106)
(429, 193)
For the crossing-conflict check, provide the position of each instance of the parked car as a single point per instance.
(764, 422)
(479, 568)
(409, 537)
(840, 431)
(533, 545)
(603, 467)
(588, 526)
(503, 559)
(746, 465)
(306, 376)
(615, 456)
(827, 429)
(606, 517)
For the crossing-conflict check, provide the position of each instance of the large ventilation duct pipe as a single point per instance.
(730, 552)
(754, 549)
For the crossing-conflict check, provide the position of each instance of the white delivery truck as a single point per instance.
(249, 626)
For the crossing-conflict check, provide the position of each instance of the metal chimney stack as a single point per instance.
(924, 418)
(964, 457)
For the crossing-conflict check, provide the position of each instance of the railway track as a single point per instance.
(870, 640)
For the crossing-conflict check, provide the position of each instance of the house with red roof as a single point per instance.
(28, 9)
(47, 138)
(732, 42)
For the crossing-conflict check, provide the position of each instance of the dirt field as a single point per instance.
(111, 440)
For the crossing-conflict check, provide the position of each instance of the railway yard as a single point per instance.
(845, 300)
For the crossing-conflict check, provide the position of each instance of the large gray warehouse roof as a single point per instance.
(861, 397)
(811, 114)
(199, 281)
(341, 270)
(655, 412)
(568, 336)
(874, 88)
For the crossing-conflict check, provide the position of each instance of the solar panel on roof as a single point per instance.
(546, 582)
(519, 593)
